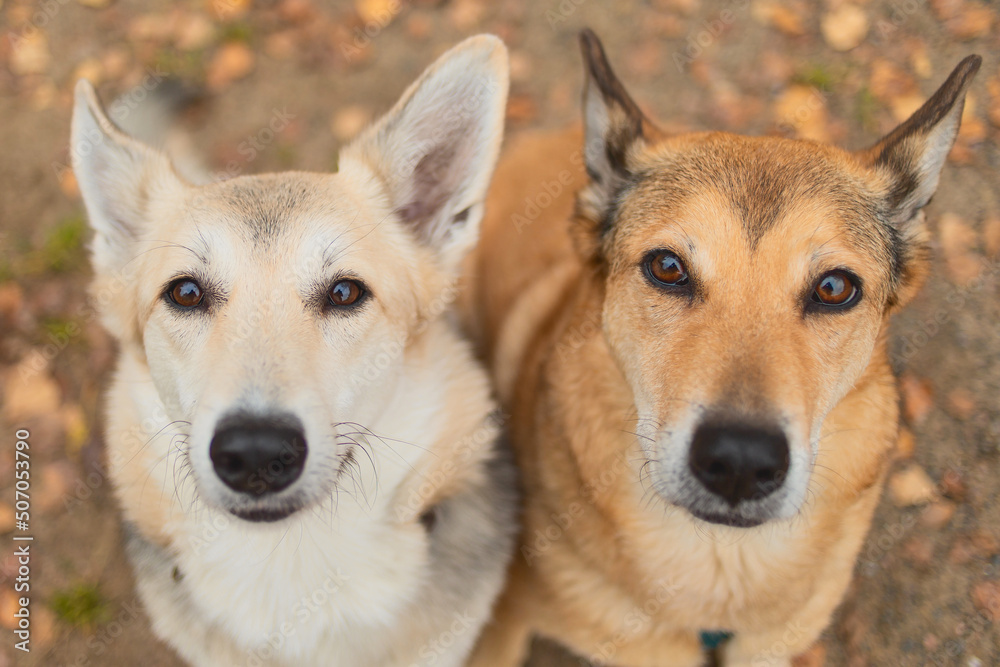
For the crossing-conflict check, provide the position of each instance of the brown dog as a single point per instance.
(696, 371)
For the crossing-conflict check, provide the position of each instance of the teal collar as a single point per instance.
(712, 643)
(713, 640)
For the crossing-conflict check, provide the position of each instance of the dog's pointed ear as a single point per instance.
(436, 149)
(911, 156)
(613, 124)
(117, 176)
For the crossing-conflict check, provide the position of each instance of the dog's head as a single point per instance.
(746, 282)
(277, 313)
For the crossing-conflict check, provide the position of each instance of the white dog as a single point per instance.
(304, 448)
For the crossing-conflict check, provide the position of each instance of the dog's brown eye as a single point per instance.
(186, 293)
(345, 293)
(835, 288)
(666, 268)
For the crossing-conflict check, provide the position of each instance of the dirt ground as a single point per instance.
(842, 70)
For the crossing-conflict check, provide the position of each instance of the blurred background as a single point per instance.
(283, 83)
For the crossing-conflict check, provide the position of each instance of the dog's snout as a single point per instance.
(738, 462)
(258, 455)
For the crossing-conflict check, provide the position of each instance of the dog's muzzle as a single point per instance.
(735, 470)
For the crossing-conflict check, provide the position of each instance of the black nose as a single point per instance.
(737, 462)
(258, 455)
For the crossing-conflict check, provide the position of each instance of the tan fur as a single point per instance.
(597, 369)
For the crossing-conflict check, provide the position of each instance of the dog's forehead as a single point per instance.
(279, 216)
(263, 209)
(747, 189)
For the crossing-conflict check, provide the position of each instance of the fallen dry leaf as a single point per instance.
(888, 81)
(780, 16)
(18, 14)
(984, 544)
(732, 109)
(281, 45)
(43, 94)
(6, 518)
(918, 397)
(43, 628)
(466, 14)
(683, 7)
(974, 20)
(115, 62)
(29, 393)
(193, 31)
(946, 9)
(347, 122)
(380, 12)
(919, 60)
(937, 515)
(961, 553)
(156, 28)
(911, 486)
(667, 26)
(802, 109)
(646, 59)
(991, 237)
(521, 66)
(419, 26)
(521, 108)
(776, 69)
(855, 627)
(961, 153)
(91, 69)
(953, 485)
(29, 53)
(8, 607)
(986, 598)
(814, 657)
(961, 403)
(11, 300)
(958, 242)
(42, 622)
(993, 111)
(906, 443)
(297, 11)
(979, 544)
(845, 27)
(703, 72)
(228, 10)
(919, 550)
(903, 106)
(232, 62)
(68, 184)
(52, 484)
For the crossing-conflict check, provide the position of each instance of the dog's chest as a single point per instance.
(300, 588)
(723, 581)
